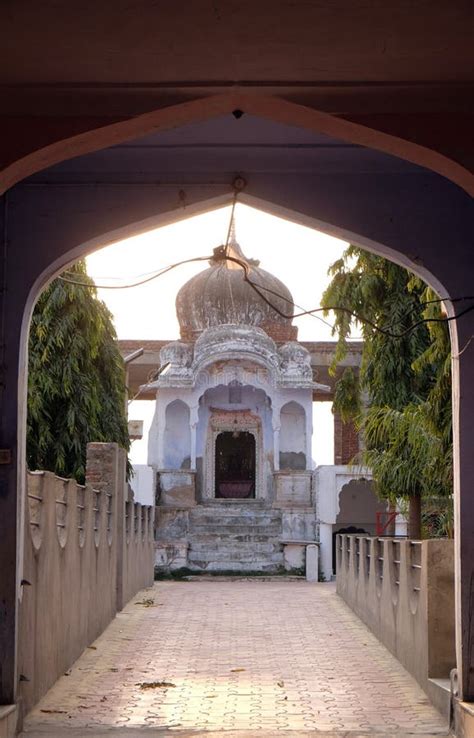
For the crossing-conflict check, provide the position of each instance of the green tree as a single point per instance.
(76, 382)
(405, 378)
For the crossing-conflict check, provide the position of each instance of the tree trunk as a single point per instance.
(391, 528)
(414, 517)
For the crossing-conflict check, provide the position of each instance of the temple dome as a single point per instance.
(220, 296)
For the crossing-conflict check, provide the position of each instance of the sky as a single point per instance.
(297, 255)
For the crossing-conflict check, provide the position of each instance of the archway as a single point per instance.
(293, 437)
(417, 243)
(358, 508)
(177, 436)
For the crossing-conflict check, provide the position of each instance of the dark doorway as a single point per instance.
(353, 531)
(235, 465)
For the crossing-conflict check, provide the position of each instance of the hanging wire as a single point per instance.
(219, 253)
(362, 319)
(152, 276)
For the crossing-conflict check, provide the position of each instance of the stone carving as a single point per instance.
(177, 355)
(235, 342)
(295, 361)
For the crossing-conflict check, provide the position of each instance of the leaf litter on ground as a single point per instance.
(155, 685)
(147, 602)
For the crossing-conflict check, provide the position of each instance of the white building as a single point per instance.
(230, 443)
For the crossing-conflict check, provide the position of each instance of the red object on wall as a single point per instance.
(383, 520)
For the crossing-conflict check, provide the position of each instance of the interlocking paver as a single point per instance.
(245, 657)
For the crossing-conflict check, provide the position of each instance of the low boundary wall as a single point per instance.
(404, 592)
(87, 551)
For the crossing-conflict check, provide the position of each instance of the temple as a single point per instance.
(231, 440)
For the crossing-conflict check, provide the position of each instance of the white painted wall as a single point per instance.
(177, 436)
(142, 484)
(293, 430)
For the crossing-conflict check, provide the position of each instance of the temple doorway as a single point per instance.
(235, 465)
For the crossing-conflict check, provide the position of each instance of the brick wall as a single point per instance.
(346, 441)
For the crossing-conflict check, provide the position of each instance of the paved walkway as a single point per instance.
(264, 658)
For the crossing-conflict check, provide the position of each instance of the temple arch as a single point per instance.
(293, 437)
(177, 436)
(411, 227)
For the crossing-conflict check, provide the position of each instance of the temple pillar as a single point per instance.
(309, 441)
(276, 448)
(193, 426)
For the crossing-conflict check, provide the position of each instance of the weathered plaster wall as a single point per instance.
(404, 592)
(293, 437)
(142, 484)
(177, 436)
(358, 506)
(83, 560)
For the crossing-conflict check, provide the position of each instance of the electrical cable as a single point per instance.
(466, 346)
(154, 275)
(361, 319)
(152, 375)
(221, 253)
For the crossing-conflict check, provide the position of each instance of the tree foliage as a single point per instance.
(405, 380)
(76, 384)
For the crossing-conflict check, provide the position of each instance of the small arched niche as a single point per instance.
(292, 437)
(177, 436)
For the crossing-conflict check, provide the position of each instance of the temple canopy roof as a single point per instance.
(220, 296)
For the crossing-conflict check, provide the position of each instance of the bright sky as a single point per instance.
(297, 255)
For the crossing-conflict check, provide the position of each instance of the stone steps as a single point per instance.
(243, 535)
(234, 546)
(256, 565)
(237, 537)
(227, 529)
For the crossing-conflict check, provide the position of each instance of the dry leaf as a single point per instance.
(155, 685)
(150, 602)
(281, 683)
(237, 670)
(54, 712)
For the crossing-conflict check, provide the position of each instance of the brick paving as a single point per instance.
(246, 657)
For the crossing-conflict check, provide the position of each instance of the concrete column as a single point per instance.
(161, 433)
(312, 561)
(309, 439)
(463, 431)
(14, 272)
(106, 472)
(276, 448)
(193, 419)
(325, 550)
(193, 447)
